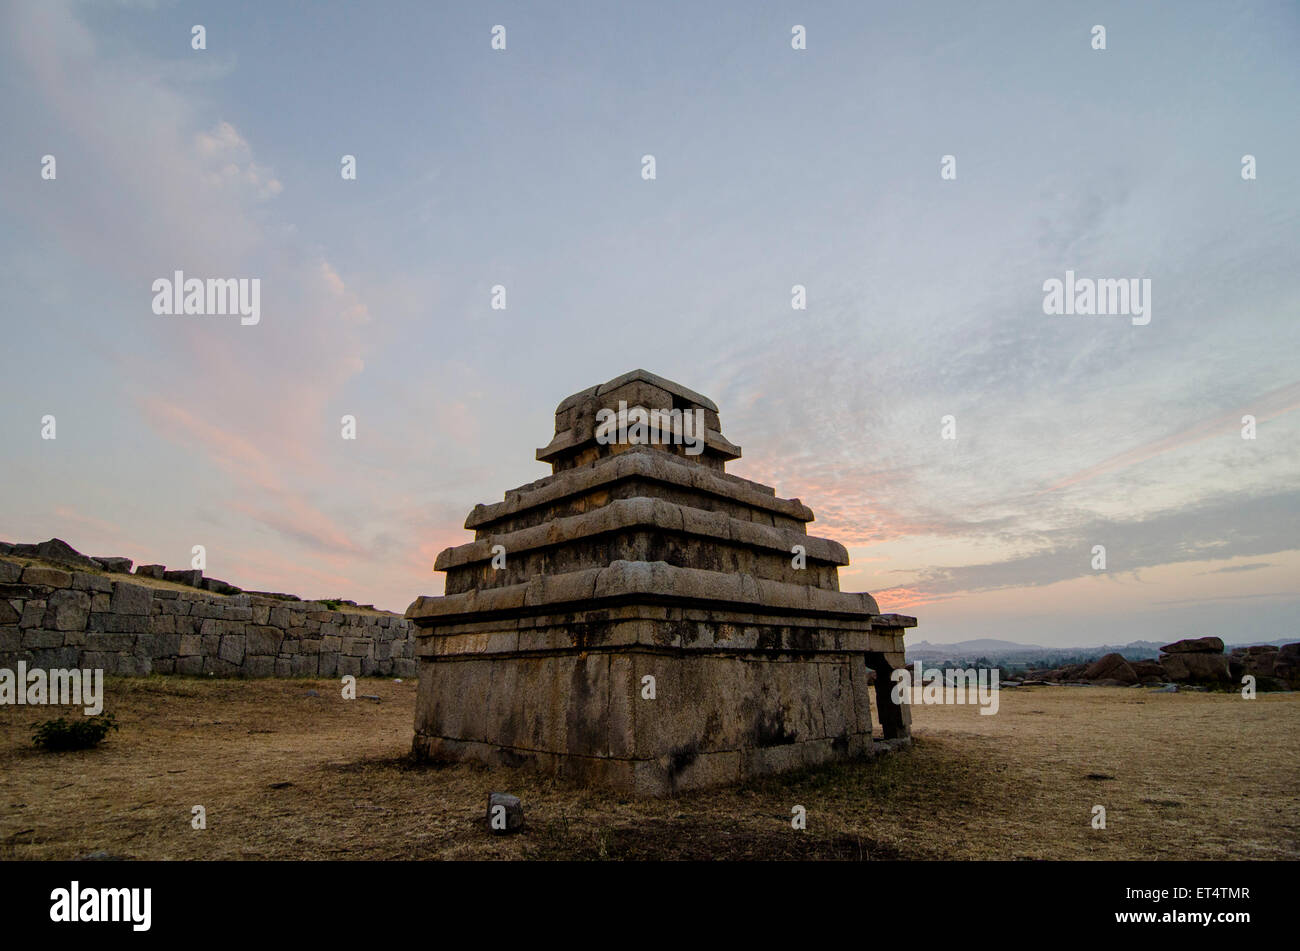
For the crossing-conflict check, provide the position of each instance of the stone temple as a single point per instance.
(643, 620)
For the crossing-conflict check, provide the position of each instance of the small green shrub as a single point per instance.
(78, 734)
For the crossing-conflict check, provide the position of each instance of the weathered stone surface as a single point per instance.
(67, 610)
(121, 566)
(505, 813)
(1148, 671)
(56, 549)
(1111, 667)
(97, 584)
(1196, 666)
(53, 577)
(218, 667)
(33, 613)
(131, 598)
(11, 639)
(232, 648)
(1194, 645)
(124, 624)
(258, 666)
(358, 646)
(151, 571)
(1261, 663)
(38, 637)
(166, 645)
(190, 576)
(264, 639)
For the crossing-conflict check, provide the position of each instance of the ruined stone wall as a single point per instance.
(52, 617)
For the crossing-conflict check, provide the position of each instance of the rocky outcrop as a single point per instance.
(1195, 645)
(55, 550)
(1274, 668)
(1196, 660)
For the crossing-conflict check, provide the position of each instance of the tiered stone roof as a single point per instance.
(617, 521)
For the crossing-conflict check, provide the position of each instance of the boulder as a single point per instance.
(219, 587)
(151, 571)
(1148, 671)
(274, 594)
(505, 813)
(115, 565)
(1190, 667)
(190, 576)
(1262, 664)
(56, 550)
(1195, 645)
(1060, 674)
(1112, 668)
(1287, 665)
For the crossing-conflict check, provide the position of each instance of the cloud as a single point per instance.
(228, 161)
(1231, 569)
(1219, 529)
(1265, 407)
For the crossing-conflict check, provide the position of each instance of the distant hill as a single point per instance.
(1009, 652)
(979, 644)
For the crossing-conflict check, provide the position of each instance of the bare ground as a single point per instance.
(286, 775)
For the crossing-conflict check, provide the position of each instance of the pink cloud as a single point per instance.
(1266, 407)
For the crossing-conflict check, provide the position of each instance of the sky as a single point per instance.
(774, 166)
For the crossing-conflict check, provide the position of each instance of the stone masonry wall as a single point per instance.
(56, 618)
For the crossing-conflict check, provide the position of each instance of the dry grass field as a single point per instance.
(286, 775)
